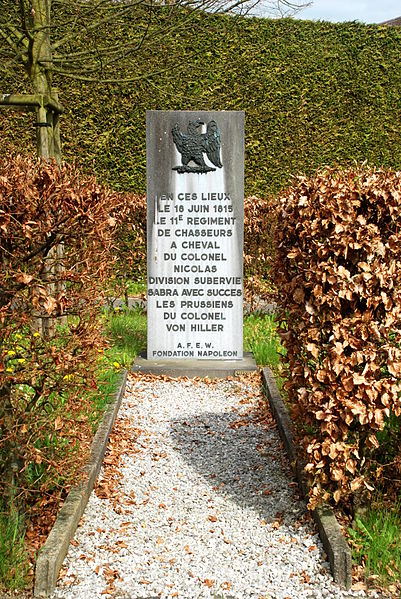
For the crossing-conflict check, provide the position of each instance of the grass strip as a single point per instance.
(14, 561)
(261, 338)
(375, 542)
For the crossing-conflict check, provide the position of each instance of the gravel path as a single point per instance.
(196, 499)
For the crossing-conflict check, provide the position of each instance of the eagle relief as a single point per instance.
(193, 144)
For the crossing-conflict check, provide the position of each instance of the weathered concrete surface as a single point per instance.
(213, 369)
(54, 550)
(334, 543)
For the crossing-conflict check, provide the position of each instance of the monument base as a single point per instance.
(214, 369)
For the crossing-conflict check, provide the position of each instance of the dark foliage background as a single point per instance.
(314, 94)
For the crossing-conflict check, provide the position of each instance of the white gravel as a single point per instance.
(204, 504)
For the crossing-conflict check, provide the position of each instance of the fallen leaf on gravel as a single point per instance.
(145, 582)
(121, 544)
(358, 586)
(62, 573)
(304, 577)
(312, 548)
(209, 583)
(74, 542)
(239, 424)
(109, 572)
(103, 490)
(212, 518)
(226, 586)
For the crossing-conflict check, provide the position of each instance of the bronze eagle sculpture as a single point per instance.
(193, 144)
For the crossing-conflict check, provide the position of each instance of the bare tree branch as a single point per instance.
(101, 22)
(283, 8)
(94, 40)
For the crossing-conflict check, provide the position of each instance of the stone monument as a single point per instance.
(195, 191)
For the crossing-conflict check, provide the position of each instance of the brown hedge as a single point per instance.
(338, 274)
(44, 378)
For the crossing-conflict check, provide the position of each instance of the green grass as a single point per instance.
(126, 287)
(261, 338)
(14, 563)
(126, 332)
(136, 287)
(376, 543)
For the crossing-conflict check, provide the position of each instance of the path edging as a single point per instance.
(334, 543)
(54, 550)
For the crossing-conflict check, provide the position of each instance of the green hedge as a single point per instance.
(314, 94)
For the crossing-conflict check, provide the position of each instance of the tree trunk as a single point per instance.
(47, 137)
(40, 75)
